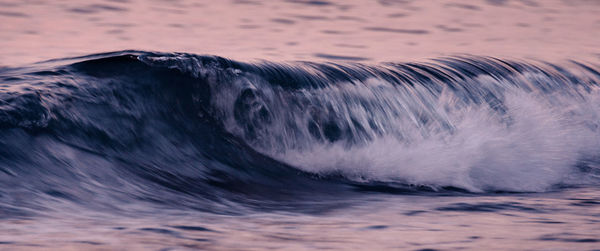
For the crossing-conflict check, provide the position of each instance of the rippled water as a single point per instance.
(565, 220)
(412, 125)
(386, 30)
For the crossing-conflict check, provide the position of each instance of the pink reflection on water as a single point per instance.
(288, 30)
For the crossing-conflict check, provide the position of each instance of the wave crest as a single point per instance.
(481, 124)
(178, 127)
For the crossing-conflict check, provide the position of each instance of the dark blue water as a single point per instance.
(178, 145)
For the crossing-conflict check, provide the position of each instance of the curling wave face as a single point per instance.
(182, 128)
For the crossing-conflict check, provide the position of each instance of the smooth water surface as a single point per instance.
(323, 30)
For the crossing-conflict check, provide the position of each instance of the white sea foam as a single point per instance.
(537, 150)
(531, 140)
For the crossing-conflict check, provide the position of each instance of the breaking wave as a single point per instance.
(181, 128)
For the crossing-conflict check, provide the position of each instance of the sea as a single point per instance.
(299, 125)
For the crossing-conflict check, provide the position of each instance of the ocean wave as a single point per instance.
(177, 128)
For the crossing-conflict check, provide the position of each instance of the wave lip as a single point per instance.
(475, 123)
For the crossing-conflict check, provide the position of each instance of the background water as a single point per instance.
(386, 30)
(482, 132)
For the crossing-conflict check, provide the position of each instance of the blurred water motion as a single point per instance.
(299, 124)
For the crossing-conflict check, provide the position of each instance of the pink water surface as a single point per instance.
(385, 30)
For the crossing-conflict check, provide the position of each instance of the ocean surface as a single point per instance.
(299, 125)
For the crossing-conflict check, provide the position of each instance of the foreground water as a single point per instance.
(567, 220)
(148, 150)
